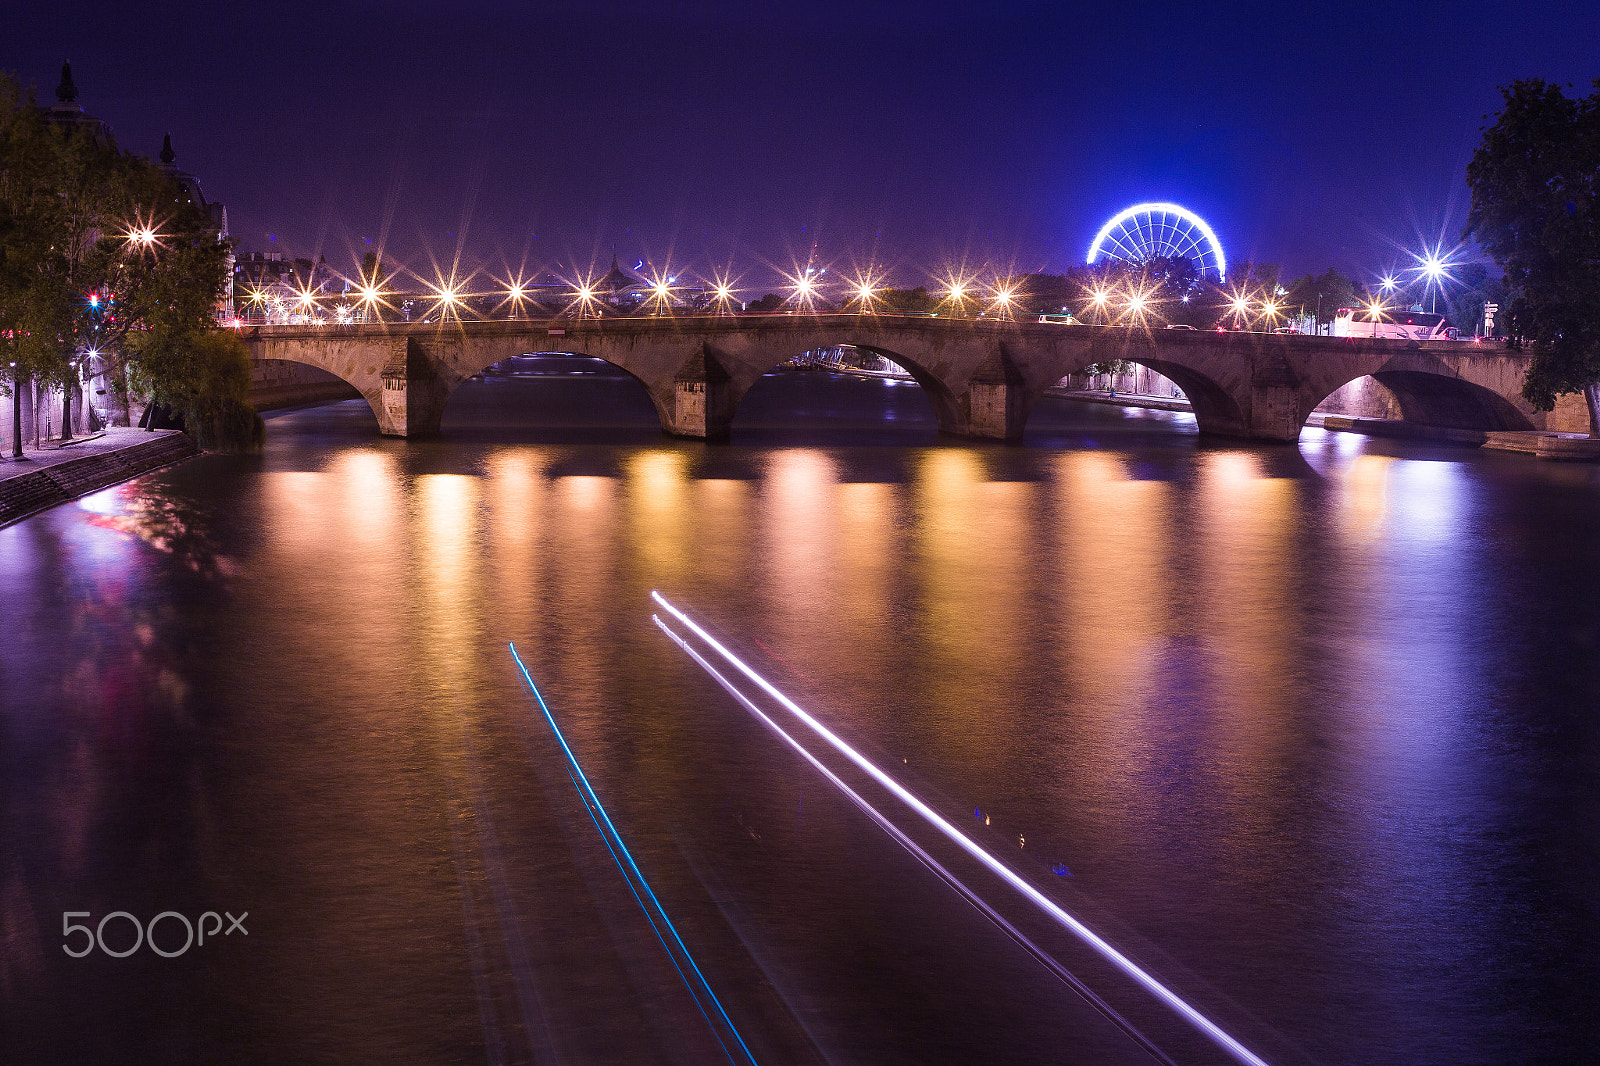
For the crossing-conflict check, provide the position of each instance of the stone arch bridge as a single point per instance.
(981, 375)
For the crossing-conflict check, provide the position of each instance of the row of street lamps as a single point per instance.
(958, 293)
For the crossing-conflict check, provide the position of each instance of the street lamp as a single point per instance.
(1433, 265)
(1098, 301)
(805, 291)
(1002, 298)
(1433, 270)
(16, 414)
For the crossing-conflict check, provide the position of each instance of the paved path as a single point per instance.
(52, 454)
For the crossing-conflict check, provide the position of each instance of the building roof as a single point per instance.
(618, 280)
(67, 112)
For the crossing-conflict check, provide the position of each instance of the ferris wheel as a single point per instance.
(1152, 231)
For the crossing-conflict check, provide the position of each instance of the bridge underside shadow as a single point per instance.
(551, 396)
(835, 404)
(1450, 403)
(1215, 412)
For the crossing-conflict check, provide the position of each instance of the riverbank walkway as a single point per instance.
(55, 474)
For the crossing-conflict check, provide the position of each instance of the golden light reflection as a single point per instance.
(722, 520)
(798, 542)
(869, 556)
(368, 497)
(660, 523)
(586, 493)
(1115, 583)
(516, 500)
(1246, 529)
(297, 501)
(448, 508)
(585, 534)
(1366, 495)
(971, 551)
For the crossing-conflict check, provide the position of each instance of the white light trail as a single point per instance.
(1180, 1006)
(938, 869)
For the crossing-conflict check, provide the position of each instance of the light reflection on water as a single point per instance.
(1309, 728)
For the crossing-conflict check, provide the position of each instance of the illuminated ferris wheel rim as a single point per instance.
(1162, 208)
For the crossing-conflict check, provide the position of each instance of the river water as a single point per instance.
(1308, 733)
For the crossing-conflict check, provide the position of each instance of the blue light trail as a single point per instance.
(699, 988)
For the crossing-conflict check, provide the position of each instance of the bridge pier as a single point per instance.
(995, 406)
(702, 401)
(412, 392)
(1277, 407)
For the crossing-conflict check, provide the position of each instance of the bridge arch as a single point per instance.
(943, 404)
(763, 361)
(660, 402)
(1430, 390)
(981, 376)
(1216, 407)
(363, 381)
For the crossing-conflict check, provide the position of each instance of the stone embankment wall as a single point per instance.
(41, 413)
(36, 490)
(273, 384)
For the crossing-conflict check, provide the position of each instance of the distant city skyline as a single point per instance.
(918, 139)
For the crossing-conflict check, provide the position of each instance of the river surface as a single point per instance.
(1311, 734)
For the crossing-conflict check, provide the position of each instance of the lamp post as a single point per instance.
(16, 414)
(1433, 269)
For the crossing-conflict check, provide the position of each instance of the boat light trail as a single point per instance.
(922, 856)
(1179, 1005)
(635, 878)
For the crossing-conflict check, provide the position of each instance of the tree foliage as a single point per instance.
(104, 254)
(1321, 295)
(917, 301)
(1472, 286)
(1534, 182)
(206, 375)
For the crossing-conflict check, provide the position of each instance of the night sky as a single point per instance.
(919, 135)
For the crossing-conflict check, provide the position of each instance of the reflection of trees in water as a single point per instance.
(166, 522)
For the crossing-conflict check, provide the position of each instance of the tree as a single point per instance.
(372, 272)
(1535, 183)
(1464, 299)
(917, 301)
(29, 315)
(771, 303)
(1321, 295)
(206, 375)
(102, 254)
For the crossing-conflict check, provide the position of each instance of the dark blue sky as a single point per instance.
(1311, 136)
